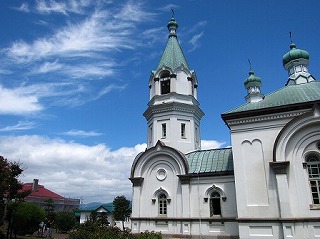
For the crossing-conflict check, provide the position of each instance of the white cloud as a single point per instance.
(95, 173)
(18, 102)
(211, 144)
(82, 133)
(71, 169)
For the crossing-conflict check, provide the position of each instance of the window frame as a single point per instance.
(163, 130)
(312, 163)
(162, 205)
(183, 131)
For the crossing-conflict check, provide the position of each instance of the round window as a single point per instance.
(161, 174)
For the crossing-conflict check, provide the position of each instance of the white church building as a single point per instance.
(267, 185)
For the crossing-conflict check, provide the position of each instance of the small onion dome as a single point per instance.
(252, 80)
(294, 54)
(172, 26)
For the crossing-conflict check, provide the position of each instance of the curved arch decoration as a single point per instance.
(212, 189)
(158, 192)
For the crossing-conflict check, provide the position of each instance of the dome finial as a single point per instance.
(172, 25)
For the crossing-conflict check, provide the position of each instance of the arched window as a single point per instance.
(313, 166)
(162, 202)
(215, 203)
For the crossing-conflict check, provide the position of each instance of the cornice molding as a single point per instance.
(264, 118)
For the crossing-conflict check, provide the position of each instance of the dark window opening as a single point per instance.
(183, 130)
(165, 87)
(164, 130)
(215, 204)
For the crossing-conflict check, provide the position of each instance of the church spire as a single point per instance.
(173, 112)
(172, 56)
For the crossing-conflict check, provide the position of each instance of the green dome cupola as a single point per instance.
(296, 62)
(172, 27)
(253, 84)
(294, 54)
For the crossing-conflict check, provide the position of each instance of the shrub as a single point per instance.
(65, 221)
(27, 218)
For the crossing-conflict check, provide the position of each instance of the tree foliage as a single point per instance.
(10, 188)
(27, 217)
(122, 209)
(65, 221)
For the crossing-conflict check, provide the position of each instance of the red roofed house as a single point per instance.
(39, 195)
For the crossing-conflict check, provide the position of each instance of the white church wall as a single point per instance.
(252, 146)
(182, 84)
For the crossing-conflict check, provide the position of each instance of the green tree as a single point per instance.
(93, 216)
(103, 219)
(27, 217)
(10, 186)
(65, 221)
(122, 209)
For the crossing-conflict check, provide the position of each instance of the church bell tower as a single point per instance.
(173, 114)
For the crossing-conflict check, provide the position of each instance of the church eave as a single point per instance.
(268, 111)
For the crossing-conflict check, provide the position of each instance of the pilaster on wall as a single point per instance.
(280, 169)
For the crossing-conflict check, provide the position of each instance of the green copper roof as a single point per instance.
(288, 95)
(294, 54)
(172, 56)
(210, 161)
(252, 80)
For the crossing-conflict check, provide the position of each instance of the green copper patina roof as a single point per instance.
(252, 80)
(210, 161)
(288, 95)
(172, 56)
(294, 54)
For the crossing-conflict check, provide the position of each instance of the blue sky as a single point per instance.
(74, 78)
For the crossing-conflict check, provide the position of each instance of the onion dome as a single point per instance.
(252, 80)
(253, 84)
(172, 27)
(294, 54)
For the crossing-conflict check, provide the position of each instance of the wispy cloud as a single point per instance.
(82, 133)
(133, 11)
(24, 7)
(65, 7)
(195, 41)
(22, 125)
(168, 8)
(197, 26)
(47, 67)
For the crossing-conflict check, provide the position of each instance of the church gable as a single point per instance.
(159, 153)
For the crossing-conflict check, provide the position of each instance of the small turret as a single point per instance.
(296, 62)
(253, 84)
